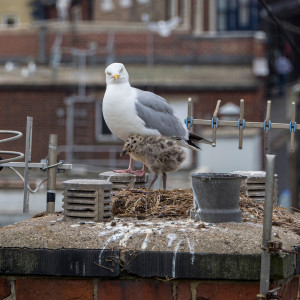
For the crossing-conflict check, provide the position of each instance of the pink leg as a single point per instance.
(130, 170)
(141, 172)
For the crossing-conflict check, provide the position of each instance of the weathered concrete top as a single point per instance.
(153, 247)
(123, 177)
(87, 183)
(152, 234)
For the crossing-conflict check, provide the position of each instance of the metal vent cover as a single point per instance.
(88, 200)
(254, 186)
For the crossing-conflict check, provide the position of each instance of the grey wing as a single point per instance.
(158, 114)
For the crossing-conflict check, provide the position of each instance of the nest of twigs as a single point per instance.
(253, 211)
(177, 203)
(157, 203)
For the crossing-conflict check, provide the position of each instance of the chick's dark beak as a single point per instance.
(123, 153)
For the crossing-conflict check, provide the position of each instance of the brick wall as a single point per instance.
(39, 104)
(25, 288)
(254, 104)
(130, 46)
(46, 104)
(18, 43)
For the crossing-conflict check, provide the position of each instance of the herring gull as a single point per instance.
(128, 111)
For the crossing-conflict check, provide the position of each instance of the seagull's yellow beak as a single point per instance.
(116, 76)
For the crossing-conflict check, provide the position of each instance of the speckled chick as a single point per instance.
(161, 154)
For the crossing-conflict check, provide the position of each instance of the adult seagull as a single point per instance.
(128, 111)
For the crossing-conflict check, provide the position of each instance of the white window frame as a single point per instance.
(6, 17)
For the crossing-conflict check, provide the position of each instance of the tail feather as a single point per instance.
(192, 139)
(193, 146)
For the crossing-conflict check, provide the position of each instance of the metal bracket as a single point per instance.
(214, 122)
(188, 121)
(293, 126)
(267, 125)
(270, 294)
(276, 247)
(61, 162)
(241, 124)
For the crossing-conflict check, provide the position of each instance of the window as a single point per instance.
(244, 14)
(102, 131)
(222, 15)
(10, 20)
(237, 15)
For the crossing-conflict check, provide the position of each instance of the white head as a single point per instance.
(116, 73)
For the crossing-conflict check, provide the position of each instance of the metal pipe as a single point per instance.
(267, 226)
(242, 110)
(42, 166)
(28, 148)
(51, 184)
(42, 56)
(266, 134)
(190, 112)
(247, 124)
(70, 128)
(214, 130)
(293, 120)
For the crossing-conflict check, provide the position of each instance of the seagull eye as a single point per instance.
(121, 70)
(108, 73)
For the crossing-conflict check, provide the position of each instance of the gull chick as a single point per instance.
(161, 154)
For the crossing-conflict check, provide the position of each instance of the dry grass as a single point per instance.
(159, 203)
(254, 212)
(177, 203)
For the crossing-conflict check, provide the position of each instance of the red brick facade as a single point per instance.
(137, 288)
(42, 104)
(129, 45)
(38, 104)
(19, 43)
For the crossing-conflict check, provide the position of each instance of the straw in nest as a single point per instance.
(177, 204)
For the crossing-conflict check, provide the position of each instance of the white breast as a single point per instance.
(120, 114)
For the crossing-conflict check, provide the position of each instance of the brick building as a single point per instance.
(206, 59)
(43, 94)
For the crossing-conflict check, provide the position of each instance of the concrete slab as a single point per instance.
(62, 262)
(167, 248)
